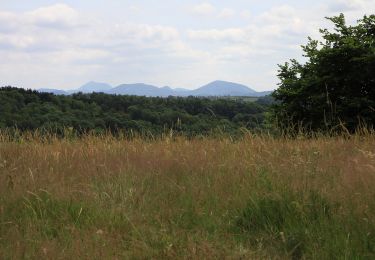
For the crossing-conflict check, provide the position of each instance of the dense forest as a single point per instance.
(98, 112)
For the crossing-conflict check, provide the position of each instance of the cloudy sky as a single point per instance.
(64, 44)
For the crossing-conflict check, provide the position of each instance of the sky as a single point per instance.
(64, 44)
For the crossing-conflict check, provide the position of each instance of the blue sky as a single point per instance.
(63, 44)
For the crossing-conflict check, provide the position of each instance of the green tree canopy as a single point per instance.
(98, 112)
(337, 83)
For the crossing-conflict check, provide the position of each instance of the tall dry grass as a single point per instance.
(258, 197)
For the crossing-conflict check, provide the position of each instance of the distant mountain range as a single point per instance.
(215, 88)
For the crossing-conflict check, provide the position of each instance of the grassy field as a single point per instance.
(259, 197)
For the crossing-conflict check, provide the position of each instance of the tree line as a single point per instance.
(99, 112)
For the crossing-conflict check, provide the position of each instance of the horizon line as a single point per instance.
(149, 84)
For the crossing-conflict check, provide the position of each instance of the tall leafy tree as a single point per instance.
(336, 85)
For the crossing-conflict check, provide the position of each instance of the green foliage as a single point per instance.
(98, 112)
(50, 216)
(305, 226)
(336, 86)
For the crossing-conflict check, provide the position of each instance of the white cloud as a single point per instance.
(231, 34)
(226, 13)
(273, 37)
(16, 41)
(203, 9)
(343, 6)
(143, 34)
(8, 22)
(56, 16)
(353, 9)
(208, 10)
(134, 8)
(282, 13)
(245, 14)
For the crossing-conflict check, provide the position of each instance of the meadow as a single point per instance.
(105, 197)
